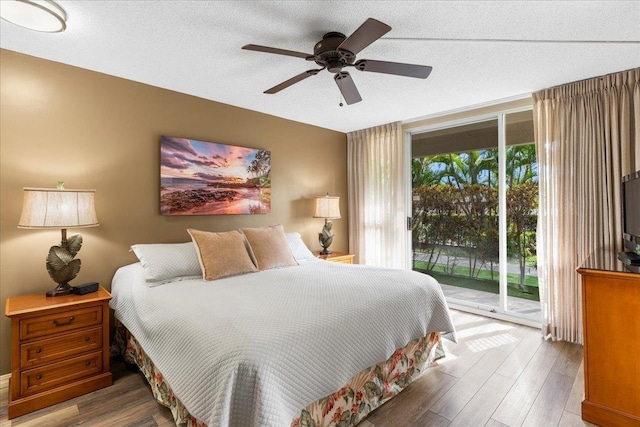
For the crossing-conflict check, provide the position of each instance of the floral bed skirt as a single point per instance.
(346, 407)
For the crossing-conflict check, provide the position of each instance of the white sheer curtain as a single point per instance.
(587, 137)
(377, 211)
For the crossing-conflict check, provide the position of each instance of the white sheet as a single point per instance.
(253, 350)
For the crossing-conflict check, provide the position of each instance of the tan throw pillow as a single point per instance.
(221, 254)
(270, 247)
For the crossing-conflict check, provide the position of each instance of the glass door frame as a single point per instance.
(502, 311)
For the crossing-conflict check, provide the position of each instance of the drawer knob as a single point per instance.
(68, 322)
(38, 350)
(87, 339)
(87, 363)
(38, 377)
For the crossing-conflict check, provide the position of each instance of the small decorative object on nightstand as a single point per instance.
(335, 256)
(59, 348)
(327, 207)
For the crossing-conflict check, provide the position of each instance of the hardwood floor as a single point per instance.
(498, 374)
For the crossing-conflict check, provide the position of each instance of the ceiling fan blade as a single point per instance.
(347, 87)
(292, 80)
(370, 31)
(277, 51)
(397, 68)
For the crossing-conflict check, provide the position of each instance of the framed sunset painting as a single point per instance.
(206, 178)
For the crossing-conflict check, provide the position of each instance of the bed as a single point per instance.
(310, 343)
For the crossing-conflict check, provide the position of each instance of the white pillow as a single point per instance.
(300, 251)
(167, 262)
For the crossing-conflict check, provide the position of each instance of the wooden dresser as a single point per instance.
(611, 321)
(59, 348)
(334, 256)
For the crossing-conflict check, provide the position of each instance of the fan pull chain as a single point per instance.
(340, 104)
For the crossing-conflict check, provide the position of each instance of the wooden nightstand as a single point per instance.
(335, 256)
(59, 348)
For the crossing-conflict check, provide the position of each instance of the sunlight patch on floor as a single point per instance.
(487, 343)
(482, 329)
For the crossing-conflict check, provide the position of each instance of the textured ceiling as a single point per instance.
(194, 47)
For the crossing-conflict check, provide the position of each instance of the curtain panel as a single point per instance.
(377, 211)
(587, 138)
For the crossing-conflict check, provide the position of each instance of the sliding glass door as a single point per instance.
(474, 196)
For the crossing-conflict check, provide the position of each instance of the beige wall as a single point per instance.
(96, 131)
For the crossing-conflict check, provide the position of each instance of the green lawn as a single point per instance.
(483, 282)
(514, 279)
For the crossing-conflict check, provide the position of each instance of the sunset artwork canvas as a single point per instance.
(206, 178)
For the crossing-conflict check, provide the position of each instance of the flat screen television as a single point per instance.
(631, 212)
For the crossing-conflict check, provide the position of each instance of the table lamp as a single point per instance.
(45, 208)
(327, 207)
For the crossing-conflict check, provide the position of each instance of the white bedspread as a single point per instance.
(253, 350)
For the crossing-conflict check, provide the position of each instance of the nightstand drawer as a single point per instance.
(52, 349)
(344, 260)
(55, 374)
(60, 322)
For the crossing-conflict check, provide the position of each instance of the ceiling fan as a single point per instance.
(336, 51)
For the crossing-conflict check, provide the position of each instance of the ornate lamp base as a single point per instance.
(61, 289)
(62, 266)
(325, 238)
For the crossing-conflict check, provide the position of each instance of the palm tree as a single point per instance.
(521, 164)
(260, 166)
(424, 172)
(468, 168)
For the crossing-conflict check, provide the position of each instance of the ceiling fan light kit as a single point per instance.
(336, 51)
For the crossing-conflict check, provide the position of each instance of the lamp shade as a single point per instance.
(58, 208)
(327, 207)
(38, 15)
